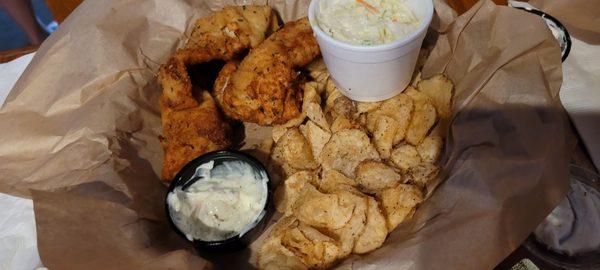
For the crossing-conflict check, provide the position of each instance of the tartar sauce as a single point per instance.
(228, 200)
(558, 33)
(366, 22)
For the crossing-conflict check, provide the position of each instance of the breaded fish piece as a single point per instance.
(190, 133)
(263, 88)
(221, 35)
(192, 125)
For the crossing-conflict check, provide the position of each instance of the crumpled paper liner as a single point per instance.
(79, 135)
(581, 17)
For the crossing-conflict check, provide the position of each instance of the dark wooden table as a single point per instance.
(9, 55)
(461, 6)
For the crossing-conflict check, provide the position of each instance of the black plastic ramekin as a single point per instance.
(236, 242)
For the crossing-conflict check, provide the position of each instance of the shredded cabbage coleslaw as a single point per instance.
(366, 22)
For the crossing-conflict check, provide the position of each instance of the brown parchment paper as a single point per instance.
(580, 17)
(79, 136)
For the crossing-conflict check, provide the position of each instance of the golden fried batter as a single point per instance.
(190, 133)
(263, 87)
(220, 36)
(193, 126)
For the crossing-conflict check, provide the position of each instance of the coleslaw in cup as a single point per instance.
(371, 71)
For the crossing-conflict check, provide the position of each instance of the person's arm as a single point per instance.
(22, 12)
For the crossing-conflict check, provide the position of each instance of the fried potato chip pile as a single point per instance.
(353, 171)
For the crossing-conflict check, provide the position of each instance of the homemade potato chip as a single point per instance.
(371, 121)
(317, 138)
(278, 169)
(314, 249)
(423, 118)
(346, 149)
(439, 89)
(330, 88)
(402, 108)
(272, 255)
(365, 107)
(293, 150)
(375, 230)
(317, 209)
(399, 203)
(318, 71)
(399, 108)
(265, 146)
(315, 114)
(311, 95)
(383, 135)
(415, 95)
(333, 165)
(405, 156)
(373, 176)
(332, 180)
(331, 94)
(294, 122)
(317, 65)
(423, 173)
(321, 80)
(278, 131)
(350, 232)
(341, 122)
(344, 106)
(430, 148)
(288, 169)
(287, 193)
(362, 119)
(330, 102)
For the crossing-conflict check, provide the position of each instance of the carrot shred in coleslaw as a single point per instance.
(368, 6)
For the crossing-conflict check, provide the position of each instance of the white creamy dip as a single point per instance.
(558, 33)
(227, 201)
(366, 22)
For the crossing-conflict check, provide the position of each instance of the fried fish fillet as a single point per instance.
(190, 133)
(220, 36)
(194, 125)
(263, 88)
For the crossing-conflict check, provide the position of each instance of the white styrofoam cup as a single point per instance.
(373, 73)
